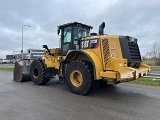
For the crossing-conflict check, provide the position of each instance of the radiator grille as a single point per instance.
(134, 52)
(130, 51)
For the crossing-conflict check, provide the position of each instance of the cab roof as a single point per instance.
(74, 24)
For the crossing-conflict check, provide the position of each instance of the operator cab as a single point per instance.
(71, 34)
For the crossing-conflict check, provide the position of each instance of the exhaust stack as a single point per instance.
(101, 28)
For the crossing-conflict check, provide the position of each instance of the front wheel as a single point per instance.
(79, 77)
(37, 72)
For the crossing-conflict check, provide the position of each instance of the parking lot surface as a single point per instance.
(54, 101)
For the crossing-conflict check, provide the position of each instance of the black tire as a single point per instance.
(79, 77)
(37, 72)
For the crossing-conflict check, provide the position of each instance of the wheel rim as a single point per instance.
(35, 72)
(76, 78)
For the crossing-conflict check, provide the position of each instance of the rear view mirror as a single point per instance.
(46, 47)
(58, 30)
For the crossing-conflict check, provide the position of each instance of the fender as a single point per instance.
(93, 58)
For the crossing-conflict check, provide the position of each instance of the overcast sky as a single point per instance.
(137, 18)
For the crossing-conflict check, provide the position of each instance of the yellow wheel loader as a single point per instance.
(85, 59)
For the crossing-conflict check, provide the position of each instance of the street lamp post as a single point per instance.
(22, 38)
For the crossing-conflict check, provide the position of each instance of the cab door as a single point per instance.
(66, 43)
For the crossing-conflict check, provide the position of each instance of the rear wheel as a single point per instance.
(37, 72)
(79, 77)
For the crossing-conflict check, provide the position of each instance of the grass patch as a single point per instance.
(6, 69)
(152, 64)
(149, 62)
(147, 81)
(155, 68)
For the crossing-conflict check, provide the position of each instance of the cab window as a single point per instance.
(79, 33)
(67, 35)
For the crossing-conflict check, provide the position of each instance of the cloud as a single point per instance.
(136, 18)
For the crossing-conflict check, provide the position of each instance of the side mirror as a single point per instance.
(58, 30)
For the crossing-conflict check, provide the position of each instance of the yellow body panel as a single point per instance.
(114, 45)
(52, 61)
(109, 74)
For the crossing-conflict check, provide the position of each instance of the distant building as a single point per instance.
(9, 57)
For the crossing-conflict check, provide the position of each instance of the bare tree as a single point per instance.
(156, 52)
(148, 55)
